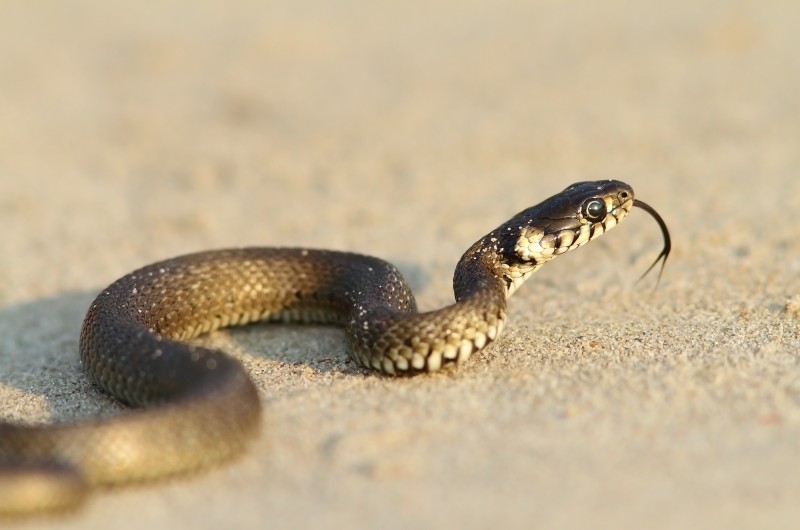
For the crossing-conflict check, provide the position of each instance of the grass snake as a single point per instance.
(196, 406)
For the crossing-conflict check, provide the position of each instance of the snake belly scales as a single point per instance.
(196, 406)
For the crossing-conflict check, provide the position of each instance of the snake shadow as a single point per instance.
(40, 368)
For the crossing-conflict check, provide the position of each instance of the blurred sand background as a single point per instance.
(133, 132)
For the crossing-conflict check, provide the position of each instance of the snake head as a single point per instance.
(572, 218)
(564, 222)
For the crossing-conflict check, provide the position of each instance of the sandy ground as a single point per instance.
(407, 130)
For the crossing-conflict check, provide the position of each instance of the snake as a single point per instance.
(194, 407)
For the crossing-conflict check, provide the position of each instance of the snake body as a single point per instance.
(196, 406)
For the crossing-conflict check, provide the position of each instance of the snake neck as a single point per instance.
(490, 263)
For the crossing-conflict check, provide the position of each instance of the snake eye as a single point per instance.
(593, 210)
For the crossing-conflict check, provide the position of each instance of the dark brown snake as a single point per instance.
(199, 407)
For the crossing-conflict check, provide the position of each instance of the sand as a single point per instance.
(406, 130)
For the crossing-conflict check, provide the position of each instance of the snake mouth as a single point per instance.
(662, 257)
(620, 209)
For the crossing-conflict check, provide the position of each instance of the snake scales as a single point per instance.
(197, 406)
